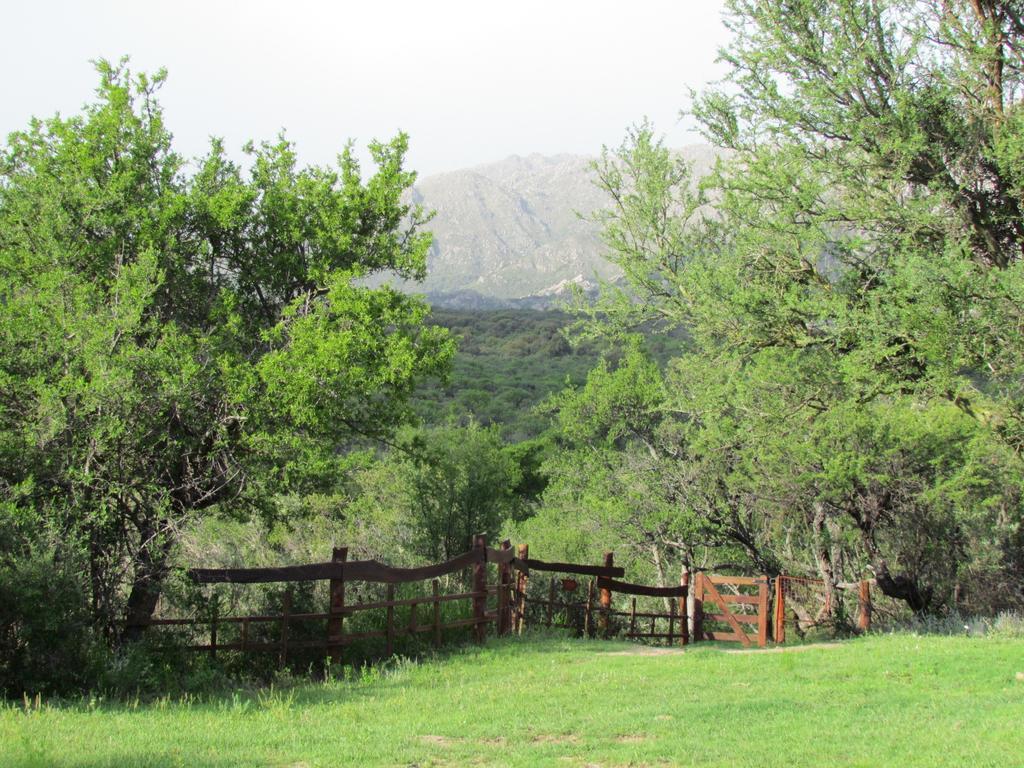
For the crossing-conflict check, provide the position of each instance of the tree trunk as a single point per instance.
(901, 587)
(100, 603)
(824, 561)
(837, 561)
(150, 572)
(656, 555)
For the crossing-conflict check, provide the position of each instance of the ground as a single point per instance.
(897, 700)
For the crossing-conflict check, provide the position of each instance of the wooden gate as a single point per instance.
(731, 608)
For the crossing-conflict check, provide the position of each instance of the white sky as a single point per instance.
(471, 82)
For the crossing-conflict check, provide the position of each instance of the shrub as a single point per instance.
(47, 641)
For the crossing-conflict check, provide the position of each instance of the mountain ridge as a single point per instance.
(519, 231)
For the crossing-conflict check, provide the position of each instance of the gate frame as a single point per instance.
(706, 587)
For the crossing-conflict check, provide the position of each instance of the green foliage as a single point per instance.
(47, 641)
(508, 363)
(423, 500)
(848, 401)
(462, 482)
(420, 502)
(872, 174)
(177, 342)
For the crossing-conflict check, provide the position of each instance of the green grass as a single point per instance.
(895, 700)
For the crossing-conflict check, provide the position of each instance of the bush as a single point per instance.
(159, 667)
(1006, 625)
(47, 641)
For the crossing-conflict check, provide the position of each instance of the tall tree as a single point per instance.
(876, 171)
(877, 167)
(851, 275)
(173, 342)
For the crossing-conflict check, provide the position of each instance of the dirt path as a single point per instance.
(785, 648)
(647, 650)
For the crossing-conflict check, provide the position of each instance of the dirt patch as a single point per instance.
(786, 648)
(439, 741)
(647, 650)
(555, 738)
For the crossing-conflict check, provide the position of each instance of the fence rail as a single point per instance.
(355, 570)
(578, 568)
(641, 589)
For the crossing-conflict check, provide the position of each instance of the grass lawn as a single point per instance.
(892, 700)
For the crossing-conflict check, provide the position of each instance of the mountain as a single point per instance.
(517, 233)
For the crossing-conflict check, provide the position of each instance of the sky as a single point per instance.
(470, 82)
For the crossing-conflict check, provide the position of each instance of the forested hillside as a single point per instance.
(509, 362)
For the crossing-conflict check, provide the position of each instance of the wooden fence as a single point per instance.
(723, 608)
(340, 571)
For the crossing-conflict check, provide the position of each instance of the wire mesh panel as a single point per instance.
(805, 602)
(804, 605)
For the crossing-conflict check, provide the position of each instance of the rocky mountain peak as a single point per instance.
(518, 229)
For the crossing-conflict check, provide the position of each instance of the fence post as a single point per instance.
(504, 584)
(671, 621)
(698, 607)
(780, 609)
(286, 610)
(632, 617)
(684, 627)
(864, 604)
(522, 581)
(551, 600)
(480, 588)
(588, 620)
(606, 598)
(390, 631)
(336, 608)
(213, 625)
(437, 612)
(762, 611)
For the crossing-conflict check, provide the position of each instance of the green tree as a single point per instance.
(462, 481)
(176, 342)
(850, 279)
(875, 170)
